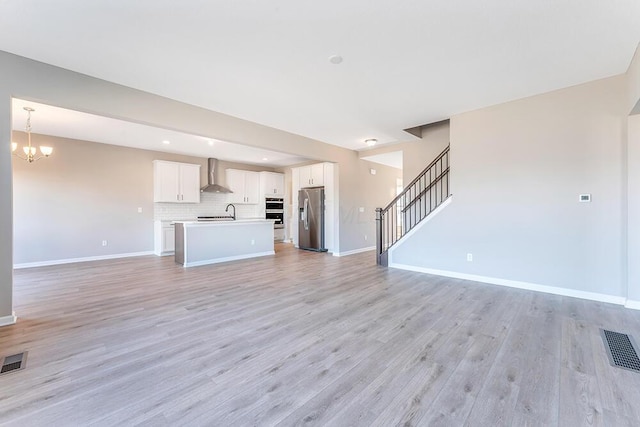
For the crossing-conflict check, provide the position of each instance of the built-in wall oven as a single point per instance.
(274, 209)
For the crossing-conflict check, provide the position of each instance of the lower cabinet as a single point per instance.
(164, 238)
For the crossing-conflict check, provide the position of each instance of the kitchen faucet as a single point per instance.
(234, 210)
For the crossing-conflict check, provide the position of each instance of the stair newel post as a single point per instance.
(378, 235)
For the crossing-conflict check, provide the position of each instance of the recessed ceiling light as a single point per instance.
(370, 142)
(211, 142)
(166, 142)
(265, 159)
(335, 59)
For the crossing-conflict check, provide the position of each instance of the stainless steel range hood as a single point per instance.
(212, 187)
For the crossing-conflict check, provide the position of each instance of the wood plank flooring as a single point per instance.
(303, 338)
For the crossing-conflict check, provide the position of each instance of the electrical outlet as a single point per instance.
(139, 210)
(469, 257)
(104, 243)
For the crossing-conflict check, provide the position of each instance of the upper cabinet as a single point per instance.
(245, 186)
(312, 175)
(176, 182)
(271, 184)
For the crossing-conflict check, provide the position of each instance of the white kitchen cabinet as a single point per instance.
(271, 184)
(176, 182)
(245, 186)
(164, 238)
(312, 175)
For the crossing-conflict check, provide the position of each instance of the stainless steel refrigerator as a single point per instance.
(311, 219)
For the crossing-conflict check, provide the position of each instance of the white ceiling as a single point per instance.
(49, 120)
(406, 62)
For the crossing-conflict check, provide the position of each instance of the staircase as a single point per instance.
(421, 197)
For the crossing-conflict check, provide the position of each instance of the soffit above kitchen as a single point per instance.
(393, 159)
(65, 123)
(335, 71)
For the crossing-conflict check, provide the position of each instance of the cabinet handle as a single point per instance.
(177, 197)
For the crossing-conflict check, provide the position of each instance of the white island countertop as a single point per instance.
(226, 221)
(210, 242)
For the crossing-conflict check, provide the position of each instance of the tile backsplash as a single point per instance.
(210, 204)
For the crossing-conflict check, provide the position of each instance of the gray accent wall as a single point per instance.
(517, 171)
(633, 216)
(66, 205)
(417, 155)
(633, 181)
(359, 227)
(6, 209)
(633, 82)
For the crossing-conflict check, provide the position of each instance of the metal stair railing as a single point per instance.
(421, 197)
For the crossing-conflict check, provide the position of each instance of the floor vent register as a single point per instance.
(622, 350)
(13, 363)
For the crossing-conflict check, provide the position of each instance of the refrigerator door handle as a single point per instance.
(306, 214)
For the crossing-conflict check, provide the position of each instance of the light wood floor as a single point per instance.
(305, 339)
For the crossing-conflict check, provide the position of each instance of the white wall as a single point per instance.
(517, 171)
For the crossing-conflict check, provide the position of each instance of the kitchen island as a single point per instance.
(210, 242)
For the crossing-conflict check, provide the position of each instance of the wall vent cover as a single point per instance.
(15, 362)
(621, 350)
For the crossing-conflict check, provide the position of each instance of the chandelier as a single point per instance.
(29, 150)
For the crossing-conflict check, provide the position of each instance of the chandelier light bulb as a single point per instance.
(30, 150)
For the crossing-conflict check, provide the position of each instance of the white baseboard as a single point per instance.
(8, 320)
(226, 259)
(632, 304)
(84, 259)
(355, 251)
(519, 285)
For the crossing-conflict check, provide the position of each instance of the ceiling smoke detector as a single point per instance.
(335, 59)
